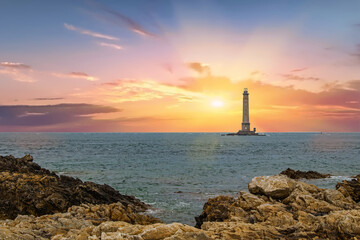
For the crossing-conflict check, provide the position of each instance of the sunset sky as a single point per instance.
(179, 66)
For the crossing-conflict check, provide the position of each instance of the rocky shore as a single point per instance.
(276, 207)
(28, 189)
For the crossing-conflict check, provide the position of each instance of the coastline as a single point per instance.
(276, 207)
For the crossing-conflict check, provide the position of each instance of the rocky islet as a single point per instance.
(302, 174)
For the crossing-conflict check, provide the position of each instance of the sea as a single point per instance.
(178, 172)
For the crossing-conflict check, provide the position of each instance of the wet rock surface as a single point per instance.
(28, 189)
(306, 175)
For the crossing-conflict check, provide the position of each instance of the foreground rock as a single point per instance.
(301, 211)
(306, 175)
(350, 188)
(79, 222)
(278, 207)
(28, 189)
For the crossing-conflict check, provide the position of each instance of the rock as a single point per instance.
(215, 209)
(308, 212)
(248, 201)
(336, 198)
(236, 230)
(345, 224)
(307, 202)
(300, 174)
(277, 187)
(357, 177)
(77, 224)
(110, 212)
(26, 188)
(350, 188)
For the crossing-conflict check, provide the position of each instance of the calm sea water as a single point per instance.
(177, 172)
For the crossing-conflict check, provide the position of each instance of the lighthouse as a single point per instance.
(245, 125)
(245, 122)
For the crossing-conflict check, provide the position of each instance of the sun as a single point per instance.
(217, 103)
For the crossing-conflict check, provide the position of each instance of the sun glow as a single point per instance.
(217, 103)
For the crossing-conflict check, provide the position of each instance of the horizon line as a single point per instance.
(169, 132)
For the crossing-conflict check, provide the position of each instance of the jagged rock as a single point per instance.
(26, 188)
(110, 212)
(215, 209)
(78, 223)
(350, 188)
(277, 187)
(307, 212)
(345, 223)
(236, 230)
(300, 174)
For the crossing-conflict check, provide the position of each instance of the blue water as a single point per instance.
(155, 166)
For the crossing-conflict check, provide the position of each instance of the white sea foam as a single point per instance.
(347, 178)
(154, 211)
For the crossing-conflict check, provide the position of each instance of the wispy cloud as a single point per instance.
(294, 77)
(134, 90)
(88, 32)
(48, 99)
(123, 20)
(110, 45)
(131, 24)
(79, 75)
(17, 71)
(298, 70)
(15, 65)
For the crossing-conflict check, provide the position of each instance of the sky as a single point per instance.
(179, 66)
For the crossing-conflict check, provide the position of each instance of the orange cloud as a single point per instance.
(199, 67)
(131, 90)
